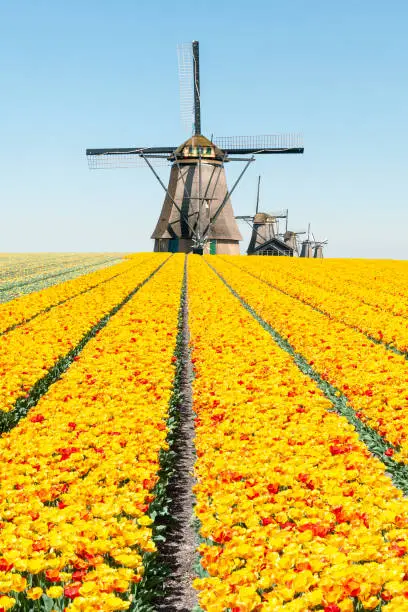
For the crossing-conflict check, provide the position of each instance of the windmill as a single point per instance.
(267, 238)
(197, 213)
(312, 247)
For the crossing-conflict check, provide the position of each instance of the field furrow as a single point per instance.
(80, 473)
(295, 513)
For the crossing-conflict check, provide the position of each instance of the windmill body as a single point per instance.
(197, 213)
(197, 188)
(312, 247)
(266, 238)
(307, 249)
(264, 229)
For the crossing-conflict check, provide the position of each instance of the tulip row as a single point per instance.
(373, 321)
(381, 284)
(21, 275)
(295, 514)
(18, 267)
(28, 306)
(50, 336)
(74, 505)
(373, 379)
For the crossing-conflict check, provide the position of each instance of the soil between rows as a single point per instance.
(178, 552)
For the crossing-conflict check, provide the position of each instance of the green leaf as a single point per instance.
(47, 603)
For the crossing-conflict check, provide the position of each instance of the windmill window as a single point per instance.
(196, 151)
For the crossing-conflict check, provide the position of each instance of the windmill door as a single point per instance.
(213, 247)
(173, 245)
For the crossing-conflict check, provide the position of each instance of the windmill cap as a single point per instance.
(264, 218)
(198, 145)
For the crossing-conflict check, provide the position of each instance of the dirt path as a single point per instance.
(179, 550)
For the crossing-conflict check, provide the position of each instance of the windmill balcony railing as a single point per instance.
(272, 253)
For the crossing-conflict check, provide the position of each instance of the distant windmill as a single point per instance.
(266, 236)
(197, 213)
(312, 247)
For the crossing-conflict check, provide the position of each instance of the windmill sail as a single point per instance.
(127, 157)
(269, 143)
(196, 85)
(186, 84)
(189, 81)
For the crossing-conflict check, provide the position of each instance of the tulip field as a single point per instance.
(22, 274)
(298, 379)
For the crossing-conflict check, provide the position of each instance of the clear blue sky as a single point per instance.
(92, 73)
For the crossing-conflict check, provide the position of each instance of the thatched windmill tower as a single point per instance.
(197, 214)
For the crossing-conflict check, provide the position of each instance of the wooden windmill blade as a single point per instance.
(260, 145)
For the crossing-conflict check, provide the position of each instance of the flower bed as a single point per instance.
(295, 513)
(352, 308)
(80, 472)
(374, 379)
(22, 274)
(28, 306)
(29, 351)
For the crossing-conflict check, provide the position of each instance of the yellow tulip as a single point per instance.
(7, 602)
(54, 592)
(34, 593)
